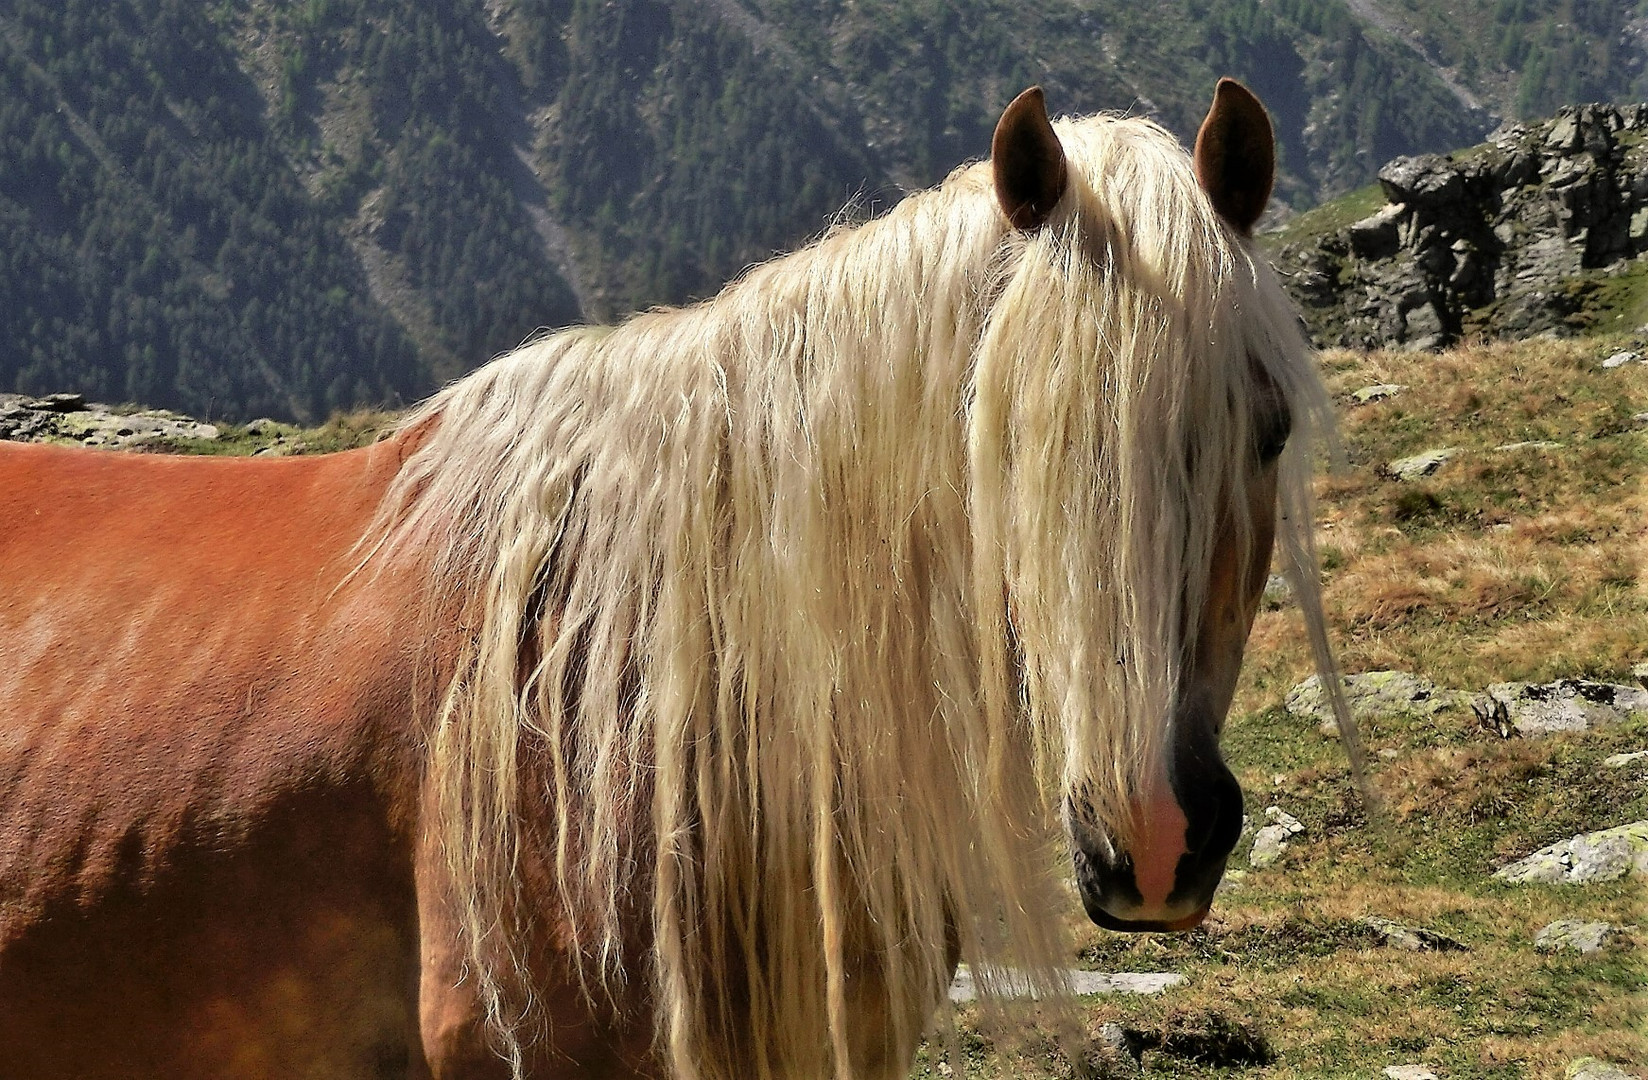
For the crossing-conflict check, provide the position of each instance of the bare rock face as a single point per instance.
(1505, 238)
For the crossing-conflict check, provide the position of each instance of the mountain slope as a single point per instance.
(246, 207)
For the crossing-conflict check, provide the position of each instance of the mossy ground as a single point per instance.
(1522, 564)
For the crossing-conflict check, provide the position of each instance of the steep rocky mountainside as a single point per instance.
(1542, 229)
(245, 207)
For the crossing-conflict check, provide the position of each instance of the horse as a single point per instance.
(682, 698)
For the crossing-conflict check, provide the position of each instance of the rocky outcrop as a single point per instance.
(1511, 238)
(69, 418)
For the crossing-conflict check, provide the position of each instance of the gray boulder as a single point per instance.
(1421, 464)
(1590, 1068)
(1014, 984)
(1372, 695)
(1576, 934)
(1606, 855)
(1563, 705)
(1412, 938)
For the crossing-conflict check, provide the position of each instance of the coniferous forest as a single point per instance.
(291, 207)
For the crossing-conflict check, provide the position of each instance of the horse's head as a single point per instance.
(1151, 857)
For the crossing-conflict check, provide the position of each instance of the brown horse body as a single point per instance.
(210, 861)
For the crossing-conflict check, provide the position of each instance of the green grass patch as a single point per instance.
(1327, 218)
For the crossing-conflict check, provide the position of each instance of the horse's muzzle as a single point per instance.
(1190, 821)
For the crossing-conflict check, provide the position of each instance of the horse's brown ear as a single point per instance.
(1236, 155)
(1028, 162)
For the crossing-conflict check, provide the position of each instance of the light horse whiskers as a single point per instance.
(684, 698)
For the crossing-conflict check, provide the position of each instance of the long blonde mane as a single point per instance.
(819, 597)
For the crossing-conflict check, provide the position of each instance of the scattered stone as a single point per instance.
(1597, 856)
(1371, 695)
(1409, 1072)
(1012, 984)
(1563, 705)
(1639, 419)
(1585, 937)
(1268, 845)
(1277, 816)
(1639, 672)
(1377, 392)
(1538, 444)
(1590, 1068)
(1619, 761)
(1621, 358)
(1421, 464)
(1113, 1055)
(1272, 840)
(63, 403)
(1390, 753)
(1278, 592)
(1412, 938)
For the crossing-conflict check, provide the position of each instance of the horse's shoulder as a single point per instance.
(181, 641)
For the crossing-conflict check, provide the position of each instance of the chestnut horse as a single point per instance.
(684, 698)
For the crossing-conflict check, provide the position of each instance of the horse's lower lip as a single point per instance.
(1189, 922)
(1172, 926)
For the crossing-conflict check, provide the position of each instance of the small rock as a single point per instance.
(1409, 1072)
(1277, 816)
(62, 402)
(1268, 845)
(1119, 1056)
(1639, 419)
(1377, 392)
(1390, 753)
(1619, 761)
(1605, 855)
(1621, 358)
(1639, 672)
(1278, 592)
(1538, 444)
(1412, 938)
(1590, 1068)
(1124, 982)
(1585, 937)
(1014, 984)
(1421, 464)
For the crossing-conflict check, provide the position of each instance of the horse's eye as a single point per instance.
(1271, 428)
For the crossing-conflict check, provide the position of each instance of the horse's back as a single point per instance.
(206, 772)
